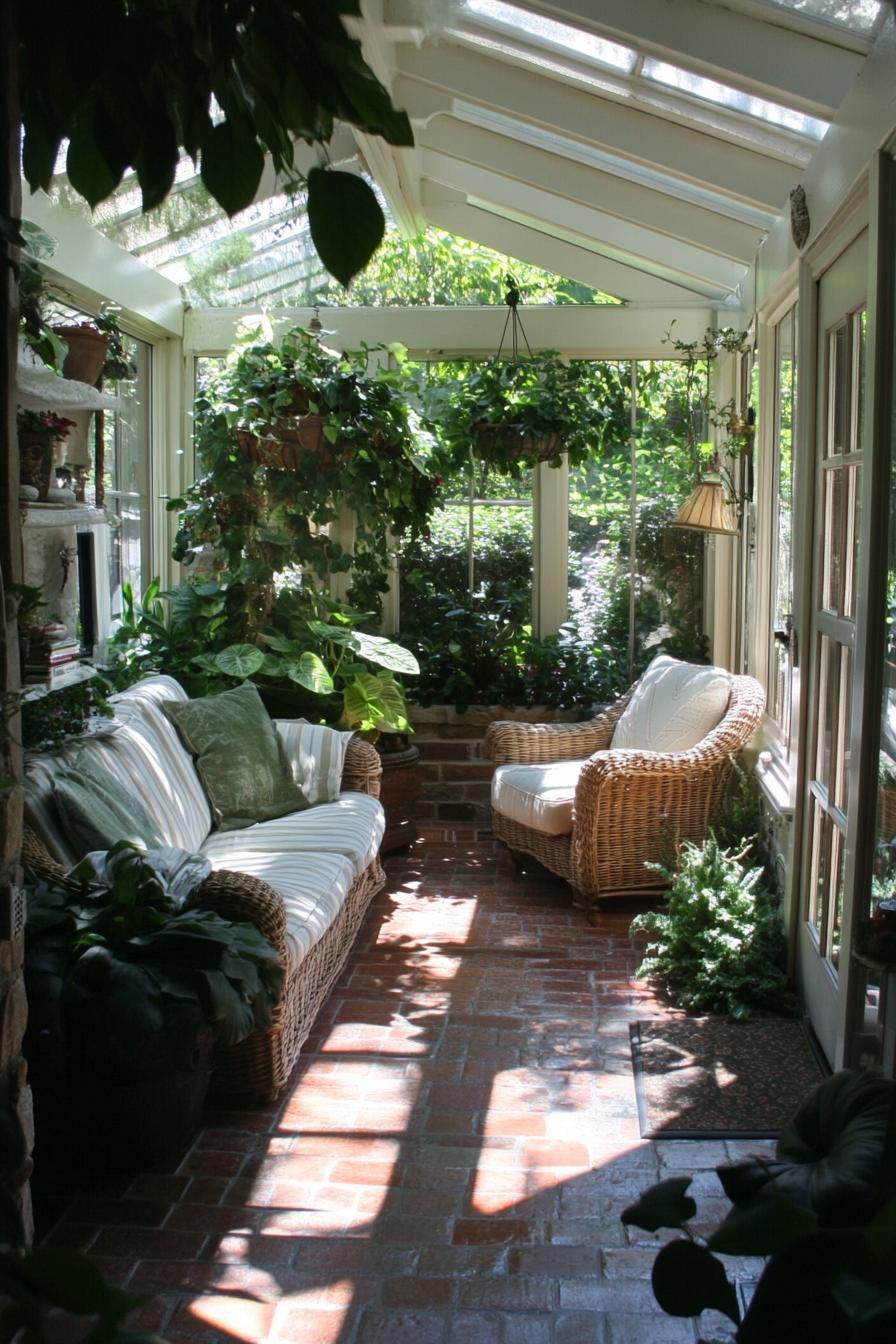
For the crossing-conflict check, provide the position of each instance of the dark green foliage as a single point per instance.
(133, 87)
(254, 515)
(475, 653)
(51, 719)
(827, 1287)
(718, 945)
(34, 1284)
(111, 961)
(535, 396)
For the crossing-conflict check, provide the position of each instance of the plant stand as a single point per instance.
(399, 790)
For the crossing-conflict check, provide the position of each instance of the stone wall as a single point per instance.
(454, 796)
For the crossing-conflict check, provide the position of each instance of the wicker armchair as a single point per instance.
(628, 805)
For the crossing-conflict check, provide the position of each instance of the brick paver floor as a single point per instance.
(448, 1164)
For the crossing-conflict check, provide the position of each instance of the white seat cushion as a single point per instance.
(313, 887)
(351, 827)
(673, 706)
(538, 796)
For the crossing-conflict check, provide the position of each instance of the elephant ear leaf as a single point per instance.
(663, 1205)
(345, 220)
(240, 660)
(688, 1279)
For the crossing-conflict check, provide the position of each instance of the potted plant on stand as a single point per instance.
(130, 983)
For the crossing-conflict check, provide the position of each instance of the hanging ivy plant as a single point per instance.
(269, 489)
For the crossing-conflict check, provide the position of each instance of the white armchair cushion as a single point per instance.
(673, 706)
(316, 755)
(538, 796)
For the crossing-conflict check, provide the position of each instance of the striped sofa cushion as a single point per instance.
(316, 755)
(313, 887)
(352, 827)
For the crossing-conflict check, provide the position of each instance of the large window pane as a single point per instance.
(785, 401)
(635, 583)
(126, 477)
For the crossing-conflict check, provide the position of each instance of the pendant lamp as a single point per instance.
(708, 508)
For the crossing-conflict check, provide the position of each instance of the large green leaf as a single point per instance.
(393, 708)
(311, 673)
(763, 1228)
(385, 653)
(240, 660)
(336, 634)
(231, 164)
(345, 221)
(69, 1280)
(688, 1279)
(663, 1205)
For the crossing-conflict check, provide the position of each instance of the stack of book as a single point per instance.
(53, 663)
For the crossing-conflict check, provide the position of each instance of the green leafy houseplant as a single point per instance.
(311, 657)
(225, 84)
(718, 945)
(125, 985)
(272, 485)
(514, 414)
(825, 1282)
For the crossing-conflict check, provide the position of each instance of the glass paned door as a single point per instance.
(838, 483)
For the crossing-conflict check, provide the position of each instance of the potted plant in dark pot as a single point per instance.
(129, 986)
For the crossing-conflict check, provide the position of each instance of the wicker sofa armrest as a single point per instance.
(244, 899)
(362, 769)
(508, 742)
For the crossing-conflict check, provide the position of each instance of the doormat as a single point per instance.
(713, 1078)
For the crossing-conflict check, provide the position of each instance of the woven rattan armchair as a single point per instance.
(629, 807)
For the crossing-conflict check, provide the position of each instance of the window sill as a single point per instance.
(776, 783)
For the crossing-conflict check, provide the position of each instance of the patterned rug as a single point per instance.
(710, 1077)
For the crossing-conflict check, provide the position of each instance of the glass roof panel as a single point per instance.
(725, 96)
(575, 40)
(859, 16)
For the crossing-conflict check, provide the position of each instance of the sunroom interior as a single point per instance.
(691, 167)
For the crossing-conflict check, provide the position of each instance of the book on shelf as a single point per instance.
(39, 664)
(55, 678)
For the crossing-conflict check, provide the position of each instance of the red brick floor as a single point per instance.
(450, 1161)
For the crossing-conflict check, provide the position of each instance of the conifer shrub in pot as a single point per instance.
(129, 987)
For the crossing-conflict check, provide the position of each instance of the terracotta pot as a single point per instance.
(278, 444)
(399, 790)
(86, 353)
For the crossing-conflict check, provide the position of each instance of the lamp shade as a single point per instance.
(706, 509)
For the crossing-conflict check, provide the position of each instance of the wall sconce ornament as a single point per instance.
(800, 224)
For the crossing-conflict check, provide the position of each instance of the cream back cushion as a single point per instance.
(673, 706)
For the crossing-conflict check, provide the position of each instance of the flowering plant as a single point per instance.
(44, 422)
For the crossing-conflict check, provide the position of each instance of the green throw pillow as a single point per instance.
(93, 813)
(239, 756)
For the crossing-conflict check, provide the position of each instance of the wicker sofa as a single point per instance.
(594, 811)
(305, 879)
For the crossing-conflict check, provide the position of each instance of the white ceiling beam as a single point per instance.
(449, 210)
(433, 79)
(590, 227)
(758, 54)
(571, 179)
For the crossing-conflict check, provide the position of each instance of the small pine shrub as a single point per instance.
(718, 946)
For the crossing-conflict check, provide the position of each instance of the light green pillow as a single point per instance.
(239, 756)
(93, 813)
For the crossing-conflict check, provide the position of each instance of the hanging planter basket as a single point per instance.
(280, 446)
(513, 443)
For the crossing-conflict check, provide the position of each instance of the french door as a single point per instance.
(831, 649)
